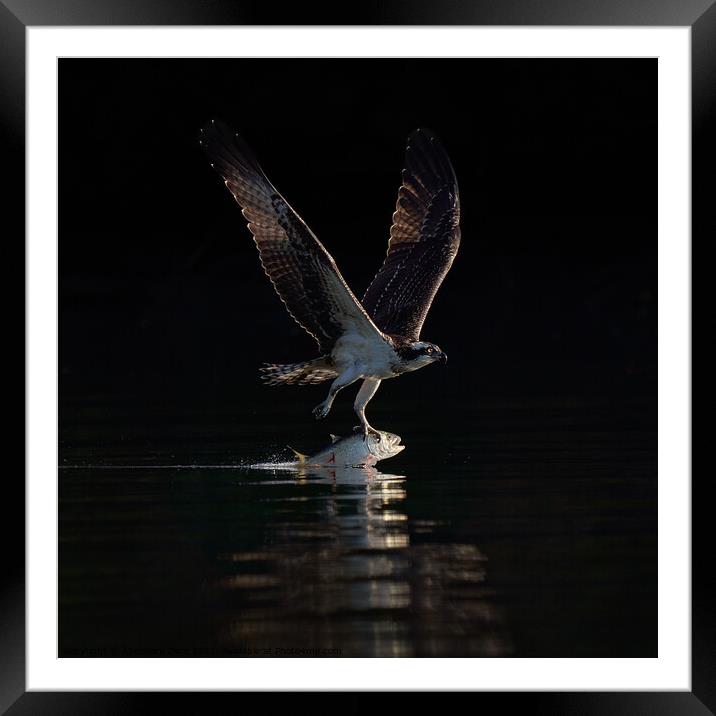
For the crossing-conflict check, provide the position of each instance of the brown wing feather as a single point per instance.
(424, 240)
(303, 273)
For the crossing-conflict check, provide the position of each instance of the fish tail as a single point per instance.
(299, 455)
(306, 373)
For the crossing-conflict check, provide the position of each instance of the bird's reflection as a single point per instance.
(343, 567)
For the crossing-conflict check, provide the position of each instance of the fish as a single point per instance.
(353, 451)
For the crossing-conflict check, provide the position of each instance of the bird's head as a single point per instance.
(421, 353)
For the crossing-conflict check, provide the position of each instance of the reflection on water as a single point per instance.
(525, 529)
(352, 581)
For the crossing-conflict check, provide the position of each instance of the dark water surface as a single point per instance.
(507, 528)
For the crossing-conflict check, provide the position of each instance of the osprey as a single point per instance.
(369, 340)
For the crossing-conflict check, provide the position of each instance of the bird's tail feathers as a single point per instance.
(306, 373)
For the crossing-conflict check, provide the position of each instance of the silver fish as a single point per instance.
(353, 451)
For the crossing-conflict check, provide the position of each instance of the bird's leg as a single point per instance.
(342, 381)
(366, 392)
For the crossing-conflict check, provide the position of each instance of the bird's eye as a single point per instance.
(431, 350)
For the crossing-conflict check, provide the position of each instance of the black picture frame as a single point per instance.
(699, 15)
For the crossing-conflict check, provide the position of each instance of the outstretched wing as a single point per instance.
(303, 273)
(423, 242)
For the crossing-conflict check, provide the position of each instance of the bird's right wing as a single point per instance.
(303, 273)
(424, 239)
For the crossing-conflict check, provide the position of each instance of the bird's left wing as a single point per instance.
(424, 239)
(303, 273)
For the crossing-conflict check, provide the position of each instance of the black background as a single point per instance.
(553, 291)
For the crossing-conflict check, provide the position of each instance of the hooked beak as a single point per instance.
(443, 357)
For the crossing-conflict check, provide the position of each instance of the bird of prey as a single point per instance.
(375, 338)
